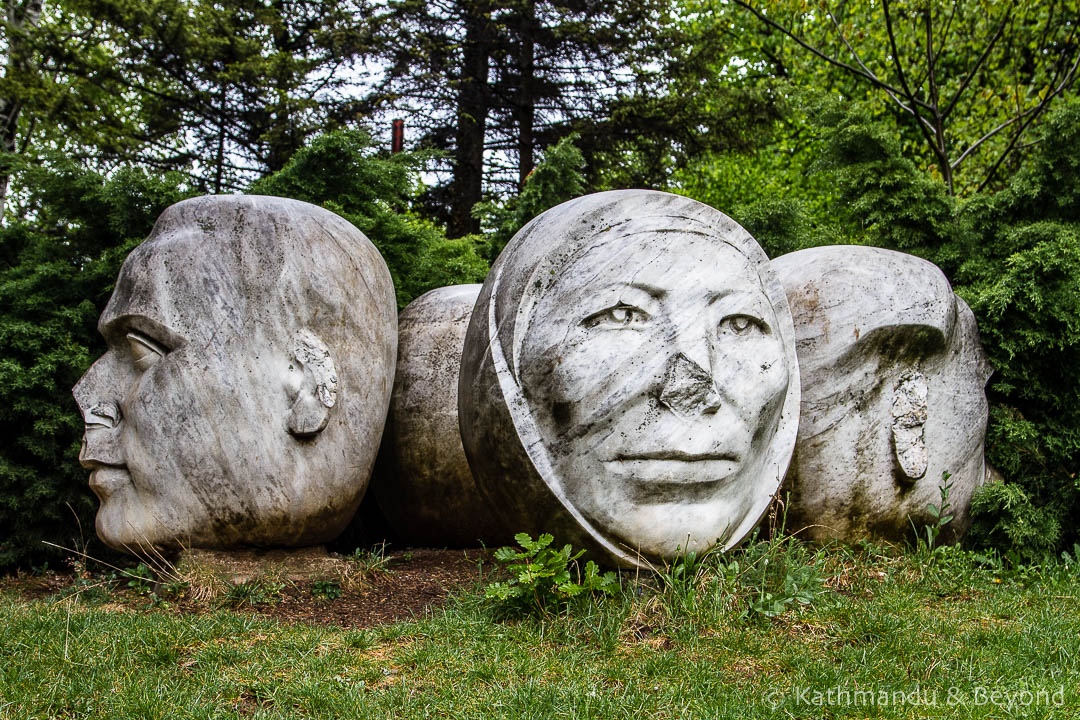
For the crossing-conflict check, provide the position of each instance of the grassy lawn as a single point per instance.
(772, 631)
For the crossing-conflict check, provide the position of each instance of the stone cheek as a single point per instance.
(893, 377)
(629, 380)
(251, 348)
(423, 484)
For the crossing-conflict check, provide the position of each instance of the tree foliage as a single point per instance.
(223, 92)
(495, 84)
(556, 179)
(965, 81)
(342, 172)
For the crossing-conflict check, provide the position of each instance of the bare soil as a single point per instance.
(413, 581)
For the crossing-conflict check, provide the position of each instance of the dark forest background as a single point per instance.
(950, 130)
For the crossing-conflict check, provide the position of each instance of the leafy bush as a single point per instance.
(1015, 258)
(57, 268)
(544, 579)
(558, 177)
(1022, 283)
(326, 589)
(1005, 519)
(782, 225)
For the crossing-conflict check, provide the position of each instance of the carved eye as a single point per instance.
(743, 325)
(144, 351)
(621, 315)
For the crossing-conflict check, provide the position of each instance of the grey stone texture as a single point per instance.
(629, 380)
(892, 394)
(251, 349)
(424, 486)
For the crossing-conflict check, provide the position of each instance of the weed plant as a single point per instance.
(545, 580)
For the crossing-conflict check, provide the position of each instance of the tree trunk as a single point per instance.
(472, 112)
(21, 18)
(282, 135)
(525, 109)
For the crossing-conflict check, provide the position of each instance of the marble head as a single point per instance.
(893, 394)
(631, 362)
(251, 348)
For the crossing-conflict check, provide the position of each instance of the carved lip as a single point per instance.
(107, 479)
(675, 467)
(677, 455)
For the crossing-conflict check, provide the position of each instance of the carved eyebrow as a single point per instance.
(753, 295)
(117, 328)
(656, 292)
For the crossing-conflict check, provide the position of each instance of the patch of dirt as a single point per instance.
(413, 582)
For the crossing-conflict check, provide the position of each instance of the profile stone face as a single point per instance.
(427, 492)
(629, 380)
(893, 376)
(251, 348)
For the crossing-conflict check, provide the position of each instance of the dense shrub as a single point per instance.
(1015, 257)
(56, 272)
(1022, 280)
(1005, 518)
(782, 225)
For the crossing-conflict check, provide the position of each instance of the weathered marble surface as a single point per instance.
(427, 492)
(629, 380)
(251, 348)
(892, 393)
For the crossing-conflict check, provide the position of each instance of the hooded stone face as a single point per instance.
(893, 377)
(643, 353)
(251, 350)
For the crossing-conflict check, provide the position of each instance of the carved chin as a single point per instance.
(669, 529)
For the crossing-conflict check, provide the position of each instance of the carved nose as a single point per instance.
(101, 417)
(688, 388)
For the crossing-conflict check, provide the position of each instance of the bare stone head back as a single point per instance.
(251, 351)
(629, 378)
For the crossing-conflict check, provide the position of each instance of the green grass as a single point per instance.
(949, 626)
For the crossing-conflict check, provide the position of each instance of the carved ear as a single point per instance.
(909, 410)
(319, 388)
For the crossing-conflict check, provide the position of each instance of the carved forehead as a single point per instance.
(668, 261)
(616, 230)
(212, 264)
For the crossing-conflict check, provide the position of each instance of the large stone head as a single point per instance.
(893, 377)
(251, 348)
(629, 379)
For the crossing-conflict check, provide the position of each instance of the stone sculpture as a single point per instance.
(251, 348)
(892, 394)
(629, 380)
(425, 488)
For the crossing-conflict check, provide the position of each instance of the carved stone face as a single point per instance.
(230, 408)
(657, 373)
(651, 377)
